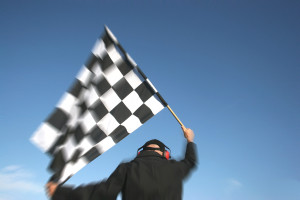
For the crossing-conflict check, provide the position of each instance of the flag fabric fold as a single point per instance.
(109, 99)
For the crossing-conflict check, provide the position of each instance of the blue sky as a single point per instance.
(229, 69)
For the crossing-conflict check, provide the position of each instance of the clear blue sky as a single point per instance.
(229, 69)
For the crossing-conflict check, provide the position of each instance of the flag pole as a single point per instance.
(175, 115)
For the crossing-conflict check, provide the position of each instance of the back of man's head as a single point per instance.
(157, 142)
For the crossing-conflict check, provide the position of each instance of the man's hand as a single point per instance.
(51, 188)
(188, 134)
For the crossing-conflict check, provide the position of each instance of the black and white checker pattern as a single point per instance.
(109, 99)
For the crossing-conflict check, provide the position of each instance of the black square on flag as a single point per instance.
(58, 161)
(91, 61)
(92, 154)
(105, 63)
(122, 88)
(58, 119)
(107, 41)
(121, 112)
(98, 110)
(118, 134)
(97, 134)
(144, 91)
(82, 107)
(124, 67)
(76, 88)
(78, 134)
(143, 113)
(102, 85)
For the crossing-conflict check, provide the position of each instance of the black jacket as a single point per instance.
(148, 176)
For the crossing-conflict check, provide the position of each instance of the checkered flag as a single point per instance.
(109, 99)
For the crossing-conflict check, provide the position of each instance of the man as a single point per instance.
(149, 176)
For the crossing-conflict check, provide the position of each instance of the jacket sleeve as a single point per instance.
(190, 159)
(84, 192)
(108, 189)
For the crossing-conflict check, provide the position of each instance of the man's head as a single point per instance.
(157, 146)
(157, 143)
(154, 147)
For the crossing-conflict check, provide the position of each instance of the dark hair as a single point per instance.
(161, 145)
